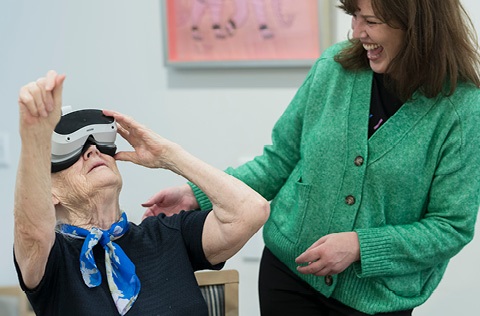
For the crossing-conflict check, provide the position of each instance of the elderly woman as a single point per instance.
(75, 251)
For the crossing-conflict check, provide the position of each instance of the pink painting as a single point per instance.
(226, 31)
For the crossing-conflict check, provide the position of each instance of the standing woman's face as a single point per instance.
(381, 41)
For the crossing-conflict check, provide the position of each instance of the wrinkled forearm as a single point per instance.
(238, 211)
(33, 209)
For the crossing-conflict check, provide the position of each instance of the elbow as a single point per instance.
(261, 212)
(252, 216)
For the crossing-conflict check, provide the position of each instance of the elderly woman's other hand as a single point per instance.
(150, 149)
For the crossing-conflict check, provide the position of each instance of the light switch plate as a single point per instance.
(4, 150)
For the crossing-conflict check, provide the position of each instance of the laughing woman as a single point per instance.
(374, 167)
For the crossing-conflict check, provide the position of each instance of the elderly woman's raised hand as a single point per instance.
(40, 104)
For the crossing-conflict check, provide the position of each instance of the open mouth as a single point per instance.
(373, 51)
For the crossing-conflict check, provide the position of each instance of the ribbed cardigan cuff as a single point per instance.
(368, 295)
(375, 252)
(202, 198)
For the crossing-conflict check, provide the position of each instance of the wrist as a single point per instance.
(35, 135)
(356, 246)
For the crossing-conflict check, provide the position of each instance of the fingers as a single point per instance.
(29, 97)
(58, 91)
(306, 257)
(131, 156)
(41, 96)
(158, 198)
(313, 262)
(49, 84)
(311, 254)
(109, 113)
(150, 202)
(51, 80)
(315, 267)
(123, 131)
(34, 97)
(125, 124)
(126, 156)
(125, 121)
(318, 242)
(310, 260)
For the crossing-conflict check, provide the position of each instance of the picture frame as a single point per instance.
(245, 33)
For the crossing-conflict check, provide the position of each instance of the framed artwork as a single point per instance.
(245, 33)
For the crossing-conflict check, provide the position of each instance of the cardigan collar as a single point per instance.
(395, 128)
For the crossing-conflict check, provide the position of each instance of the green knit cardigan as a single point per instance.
(411, 191)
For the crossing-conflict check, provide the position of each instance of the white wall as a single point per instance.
(112, 53)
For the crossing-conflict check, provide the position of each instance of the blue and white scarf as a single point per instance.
(123, 282)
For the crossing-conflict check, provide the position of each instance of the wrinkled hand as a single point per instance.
(153, 151)
(331, 254)
(150, 149)
(40, 103)
(171, 201)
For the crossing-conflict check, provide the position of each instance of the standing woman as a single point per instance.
(374, 167)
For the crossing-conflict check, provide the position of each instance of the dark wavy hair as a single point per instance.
(440, 47)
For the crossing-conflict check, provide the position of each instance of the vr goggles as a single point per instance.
(76, 131)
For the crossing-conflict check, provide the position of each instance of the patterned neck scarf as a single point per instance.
(123, 282)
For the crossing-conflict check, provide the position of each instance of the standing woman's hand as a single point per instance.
(171, 201)
(331, 254)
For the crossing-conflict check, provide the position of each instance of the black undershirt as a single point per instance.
(383, 104)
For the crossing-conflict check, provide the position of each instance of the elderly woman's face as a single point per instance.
(92, 172)
(381, 41)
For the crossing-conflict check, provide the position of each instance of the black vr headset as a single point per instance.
(76, 131)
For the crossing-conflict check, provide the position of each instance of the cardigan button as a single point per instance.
(350, 200)
(359, 161)
(328, 280)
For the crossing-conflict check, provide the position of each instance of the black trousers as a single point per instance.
(282, 293)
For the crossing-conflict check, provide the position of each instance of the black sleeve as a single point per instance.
(190, 224)
(47, 284)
